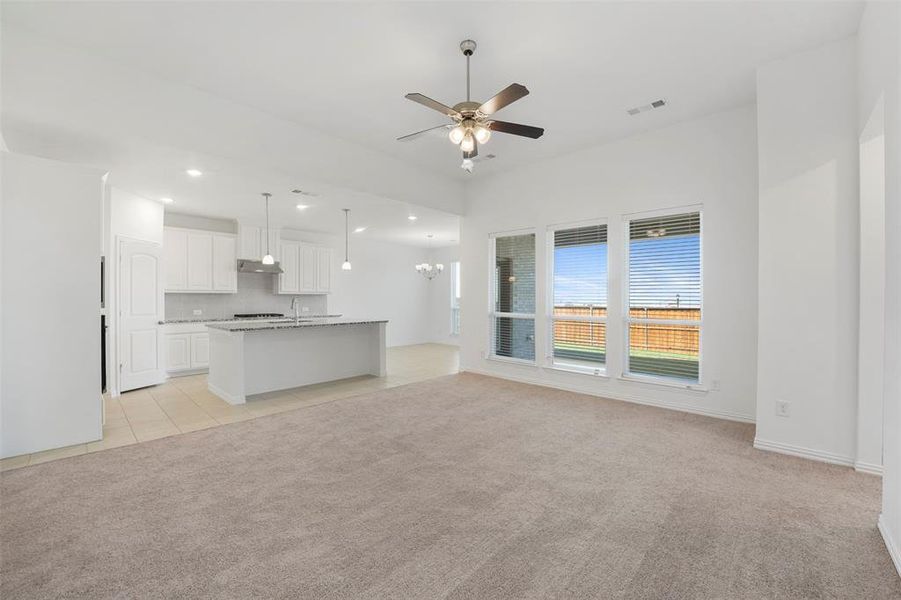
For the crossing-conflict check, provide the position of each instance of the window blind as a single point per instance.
(579, 329)
(665, 296)
(513, 315)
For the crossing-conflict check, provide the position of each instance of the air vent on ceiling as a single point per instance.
(646, 107)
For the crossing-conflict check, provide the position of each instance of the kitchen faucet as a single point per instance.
(295, 306)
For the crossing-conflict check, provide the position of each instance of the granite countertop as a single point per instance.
(263, 326)
(241, 319)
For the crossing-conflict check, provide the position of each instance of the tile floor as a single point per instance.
(184, 404)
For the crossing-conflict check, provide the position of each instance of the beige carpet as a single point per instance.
(459, 487)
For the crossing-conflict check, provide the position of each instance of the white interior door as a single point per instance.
(140, 311)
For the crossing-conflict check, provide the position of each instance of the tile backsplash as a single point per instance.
(254, 295)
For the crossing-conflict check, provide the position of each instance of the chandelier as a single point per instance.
(427, 269)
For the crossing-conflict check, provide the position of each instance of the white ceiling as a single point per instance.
(344, 67)
(339, 71)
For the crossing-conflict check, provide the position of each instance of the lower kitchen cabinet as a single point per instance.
(187, 348)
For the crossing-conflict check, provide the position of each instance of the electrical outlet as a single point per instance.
(197, 312)
(715, 385)
(782, 408)
(305, 309)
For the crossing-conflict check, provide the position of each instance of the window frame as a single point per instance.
(549, 360)
(492, 288)
(627, 319)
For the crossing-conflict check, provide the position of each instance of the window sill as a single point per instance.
(658, 381)
(591, 372)
(512, 361)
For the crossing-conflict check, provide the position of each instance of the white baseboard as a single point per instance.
(226, 396)
(802, 452)
(865, 467)
(729, 416)
(893, 550)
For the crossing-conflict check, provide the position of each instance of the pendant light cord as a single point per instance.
(346, 233)
(268, 253)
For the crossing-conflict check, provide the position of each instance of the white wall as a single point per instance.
(879, 46)
(51, 241)
(871, 291)
(382, 284)
(710, 161)
(808, 270)
(440, 296)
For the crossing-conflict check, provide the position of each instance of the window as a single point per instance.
(513, 297)
(664, 319)
(455, 298)
(579, 314)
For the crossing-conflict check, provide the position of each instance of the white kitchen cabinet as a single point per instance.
(225, 274)
(252, 242)
(200, 350)
(200, 261)
(175, 251)
(288, 280)
(178, 351)
(323, 270)
(187, 347)
(306, 268)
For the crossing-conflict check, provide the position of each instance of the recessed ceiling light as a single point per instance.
(193, 172)
(167, 200)
(412, 217)
(359, 229)
(302, 207)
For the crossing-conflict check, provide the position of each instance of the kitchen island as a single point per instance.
(248, 358)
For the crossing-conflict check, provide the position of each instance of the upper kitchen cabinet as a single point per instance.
(200, 261)
(306, 269)
(252, 242)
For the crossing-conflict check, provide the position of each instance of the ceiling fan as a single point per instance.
(472, 122)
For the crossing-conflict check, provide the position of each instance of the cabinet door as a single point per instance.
(178, 351)
(200, 261)
(175, 251)
(324, 270)
(249, 242)
(288, 280)
(308, 268)
(200, 350)
(225, 270)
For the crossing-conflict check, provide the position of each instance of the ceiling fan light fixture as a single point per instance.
(456, 134)
(482, 133)
(468, 143)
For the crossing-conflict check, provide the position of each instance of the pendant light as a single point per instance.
(346, 265)
(268, 259)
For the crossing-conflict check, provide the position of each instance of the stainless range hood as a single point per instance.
(257, 266)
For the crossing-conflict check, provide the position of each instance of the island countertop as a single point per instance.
(290, 324)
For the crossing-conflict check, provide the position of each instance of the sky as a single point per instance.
(660, 269)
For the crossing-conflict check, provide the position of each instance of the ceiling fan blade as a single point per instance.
(516, 129)
(411, 136)
(508, 95)
(434, 105)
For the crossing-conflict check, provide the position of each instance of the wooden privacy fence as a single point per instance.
(650, 337)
